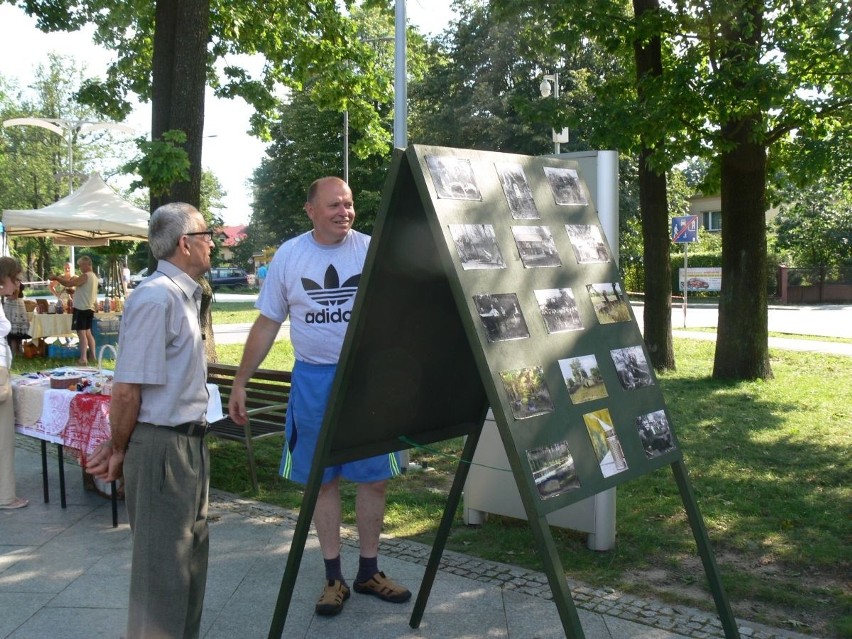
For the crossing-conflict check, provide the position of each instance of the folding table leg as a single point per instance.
(44, 480)
(61, 476)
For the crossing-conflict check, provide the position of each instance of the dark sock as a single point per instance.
(367, 567)
(333, 570)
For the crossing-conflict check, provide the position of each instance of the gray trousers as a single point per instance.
(167, 477)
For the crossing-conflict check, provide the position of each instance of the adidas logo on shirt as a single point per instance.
(329, 294)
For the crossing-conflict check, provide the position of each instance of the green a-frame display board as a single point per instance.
(489, 283)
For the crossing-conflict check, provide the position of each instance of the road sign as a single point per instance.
(685, 229)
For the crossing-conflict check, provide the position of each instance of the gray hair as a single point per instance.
(166, 225)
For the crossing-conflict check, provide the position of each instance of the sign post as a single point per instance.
(684, 231)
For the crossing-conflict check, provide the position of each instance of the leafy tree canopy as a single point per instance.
(314, 47)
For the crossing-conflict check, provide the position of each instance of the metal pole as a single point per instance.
(400, 112)
(685, 278)
(70, 135)
(346, 146)
(556, 145)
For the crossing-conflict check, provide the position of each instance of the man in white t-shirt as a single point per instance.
(313, 278)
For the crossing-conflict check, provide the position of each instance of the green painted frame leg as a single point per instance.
(446, 524)
(556, 576)
(297, 548)
(699, 531)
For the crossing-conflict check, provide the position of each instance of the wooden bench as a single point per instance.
(267, 394)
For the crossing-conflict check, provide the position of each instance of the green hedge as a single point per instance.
(633, 273)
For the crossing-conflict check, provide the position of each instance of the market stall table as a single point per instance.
(58, 324)
(70, 419)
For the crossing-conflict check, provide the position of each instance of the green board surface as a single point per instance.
(490, 283)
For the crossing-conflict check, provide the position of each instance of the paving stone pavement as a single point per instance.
(683, 620)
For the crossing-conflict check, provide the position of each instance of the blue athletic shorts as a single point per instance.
(309, 395)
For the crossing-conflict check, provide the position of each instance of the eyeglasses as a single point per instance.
(207, 235)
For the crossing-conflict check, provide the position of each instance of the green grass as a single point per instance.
(233, 312)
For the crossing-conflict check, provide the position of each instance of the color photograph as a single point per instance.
(583, 378)
(609, 302)
(527, 392)
(605, 442)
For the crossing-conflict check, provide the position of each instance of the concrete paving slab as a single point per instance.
(69, 578)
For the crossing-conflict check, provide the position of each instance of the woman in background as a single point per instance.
(9, 272)
(16, 313)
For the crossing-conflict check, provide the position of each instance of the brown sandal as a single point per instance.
(383, 588)
(331, 600)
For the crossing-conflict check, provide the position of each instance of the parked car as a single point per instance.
(138, 277)
(228, 276)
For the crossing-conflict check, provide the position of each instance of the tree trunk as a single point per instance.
(742, 345)
(181, 34)
(653, 204)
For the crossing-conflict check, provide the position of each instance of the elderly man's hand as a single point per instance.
(106, 463)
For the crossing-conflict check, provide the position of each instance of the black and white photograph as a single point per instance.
(453, 177)
(655, 433)
(632, 367)
(553, 469)
(500, 314)
(588, 243)
(477, 246)
(559, 310)
(565, 184)
(609, 302)
(605, 442)
(536, 246)
(583, 378)
(527, 392)
(518, 193)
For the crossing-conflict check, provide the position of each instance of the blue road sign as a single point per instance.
(685, 229)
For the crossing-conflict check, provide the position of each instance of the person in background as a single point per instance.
(62, 293)
(294, 288)
(261, 275)
(85, 303)
(158, 422)
(9, 272)
(125, 279)
(16, 313)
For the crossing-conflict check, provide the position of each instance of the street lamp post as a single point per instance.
(66, 129)
(400, 81)
(546, 88)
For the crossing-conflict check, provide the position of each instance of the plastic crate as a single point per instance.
(105, 331)
(61, 351)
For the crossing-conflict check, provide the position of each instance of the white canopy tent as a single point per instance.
(90, 216)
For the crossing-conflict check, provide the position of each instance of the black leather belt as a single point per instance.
(192, 429)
